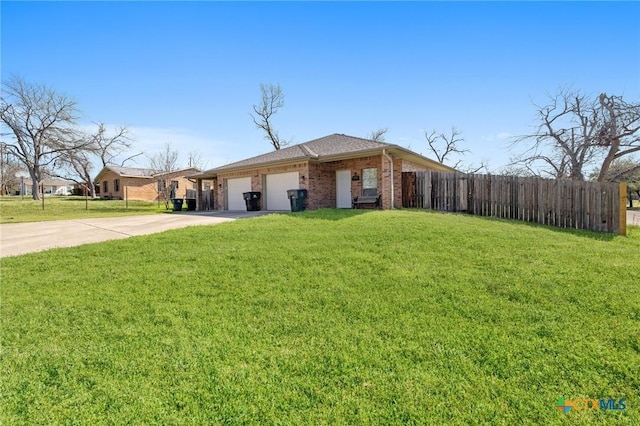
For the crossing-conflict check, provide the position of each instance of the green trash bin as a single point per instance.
(177, 204)
(298, 199)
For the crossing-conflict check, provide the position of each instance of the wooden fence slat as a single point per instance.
(622, 209)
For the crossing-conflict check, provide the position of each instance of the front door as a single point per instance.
(343, 189)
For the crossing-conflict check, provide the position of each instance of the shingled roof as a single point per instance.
(327, 148)
(137, 172)
(131, 171)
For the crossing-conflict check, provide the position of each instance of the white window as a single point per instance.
(370, 178)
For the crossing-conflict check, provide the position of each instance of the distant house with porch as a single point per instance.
(334, 170)
(118, 183)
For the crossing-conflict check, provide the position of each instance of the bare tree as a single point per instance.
(619, 133)
(107, 147)
(77, 167)
(574, 132)
(112, 146)
(272, 100)
(477, 168)
(445, 146)
(42, 124)
(163, 164)
(9, 170)
(195, 160)
(515, 170)
(624, 170)
(378, 135)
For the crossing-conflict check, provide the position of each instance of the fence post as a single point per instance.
(623, 208)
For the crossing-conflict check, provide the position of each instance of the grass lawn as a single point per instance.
(16, 209)
(326, 317)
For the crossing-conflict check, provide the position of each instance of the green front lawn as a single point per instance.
(327, 317)
(16, 209)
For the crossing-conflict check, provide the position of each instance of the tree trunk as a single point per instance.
(35, 185)
(91, 186)
(611, 138)
(606, 163)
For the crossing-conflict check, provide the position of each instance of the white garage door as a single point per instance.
(235, 189)
(277, 186)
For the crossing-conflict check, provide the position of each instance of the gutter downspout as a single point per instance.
(388, 157)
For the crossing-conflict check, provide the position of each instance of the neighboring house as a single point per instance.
(333, 169)
(51, 187)
(142, 184)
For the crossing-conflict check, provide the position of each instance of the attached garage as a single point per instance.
(333, 170)
(276, 190)
(235, 188)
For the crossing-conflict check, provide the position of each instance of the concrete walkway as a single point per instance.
(20, 238)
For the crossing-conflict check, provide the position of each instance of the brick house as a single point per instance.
(141, 184)
(334, 170)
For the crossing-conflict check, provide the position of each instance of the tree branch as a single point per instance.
(272, 100)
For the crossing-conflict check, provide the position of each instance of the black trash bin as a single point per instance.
(298, 199)
(252, 199)
(177, 204)
(191, 204)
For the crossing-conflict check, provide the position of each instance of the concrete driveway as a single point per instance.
(20, 238)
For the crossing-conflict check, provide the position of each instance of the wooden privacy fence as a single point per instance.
(592, 206)
(206, 201)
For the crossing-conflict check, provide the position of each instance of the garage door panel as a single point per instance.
(276, 187)
(235, 188)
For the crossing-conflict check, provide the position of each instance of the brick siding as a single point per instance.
(135, 188)
(258, 177)
(320, 179)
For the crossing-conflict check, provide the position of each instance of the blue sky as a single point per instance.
(189, 72)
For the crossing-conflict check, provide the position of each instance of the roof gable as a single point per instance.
(339, 144)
